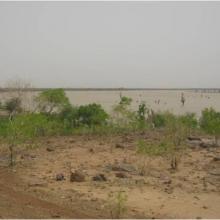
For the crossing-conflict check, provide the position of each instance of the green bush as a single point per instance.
(33, 125)
(210, 122)
(91, 115)
(123, 116)
(161, 119)
(125, 101)
(13, 105)
(52, 100)
(142, 112)
(69, 117)
(189, 120)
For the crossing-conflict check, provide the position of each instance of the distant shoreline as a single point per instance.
(212, 90)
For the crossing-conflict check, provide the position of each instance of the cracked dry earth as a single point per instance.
(31, 189)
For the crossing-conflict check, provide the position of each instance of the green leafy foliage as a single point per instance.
(189, 120)
(210, 122)
(123, 116)
(161, 119)
(52, 100)
(92, 114)
(69, 117)
(125, 101)
(13, 105)
(29, 126)
(142, 112)
(142, 116)
(3, 126)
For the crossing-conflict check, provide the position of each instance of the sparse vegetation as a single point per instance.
(154, 149)
(57, 116)
(159, 137)
(117, 204)
(210, 122)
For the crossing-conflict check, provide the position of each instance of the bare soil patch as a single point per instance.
(41, 186)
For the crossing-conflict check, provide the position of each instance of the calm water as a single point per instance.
(168, 99)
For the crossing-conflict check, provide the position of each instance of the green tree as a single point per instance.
(52, 100)
(123, 115)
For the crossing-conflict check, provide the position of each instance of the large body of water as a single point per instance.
(168, 99)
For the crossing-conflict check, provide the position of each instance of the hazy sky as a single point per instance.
(111, 44)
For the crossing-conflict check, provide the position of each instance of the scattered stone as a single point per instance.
(99, 177)
(198, 142)
(205, 207)
(166, 180)
(206, 143)
(121, 175)
(120, 146)
(50, 149)
(194, 138)
(123, 167)
(77, 176)
(55, 216)
(60, 177)
(140, 182)
(37, 182)
(168, 190)
(215, 172)
(216, 158)
(91, 150)
(28, 156)
(154, 173)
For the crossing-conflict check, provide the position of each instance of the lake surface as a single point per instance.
(168, 99)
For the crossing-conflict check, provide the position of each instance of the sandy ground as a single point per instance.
(30, 189)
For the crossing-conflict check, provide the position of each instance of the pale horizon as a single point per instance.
(111, 44)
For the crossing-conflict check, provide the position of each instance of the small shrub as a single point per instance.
(117, 204)
(91, 115)
(189, 120)
(176, 132)
(161, 119)
(125, 101)
(142, 116)
(210, 122)
(13, 106)
(123, 116)
(69, 117)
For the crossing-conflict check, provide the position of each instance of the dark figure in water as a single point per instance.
(182, 99)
